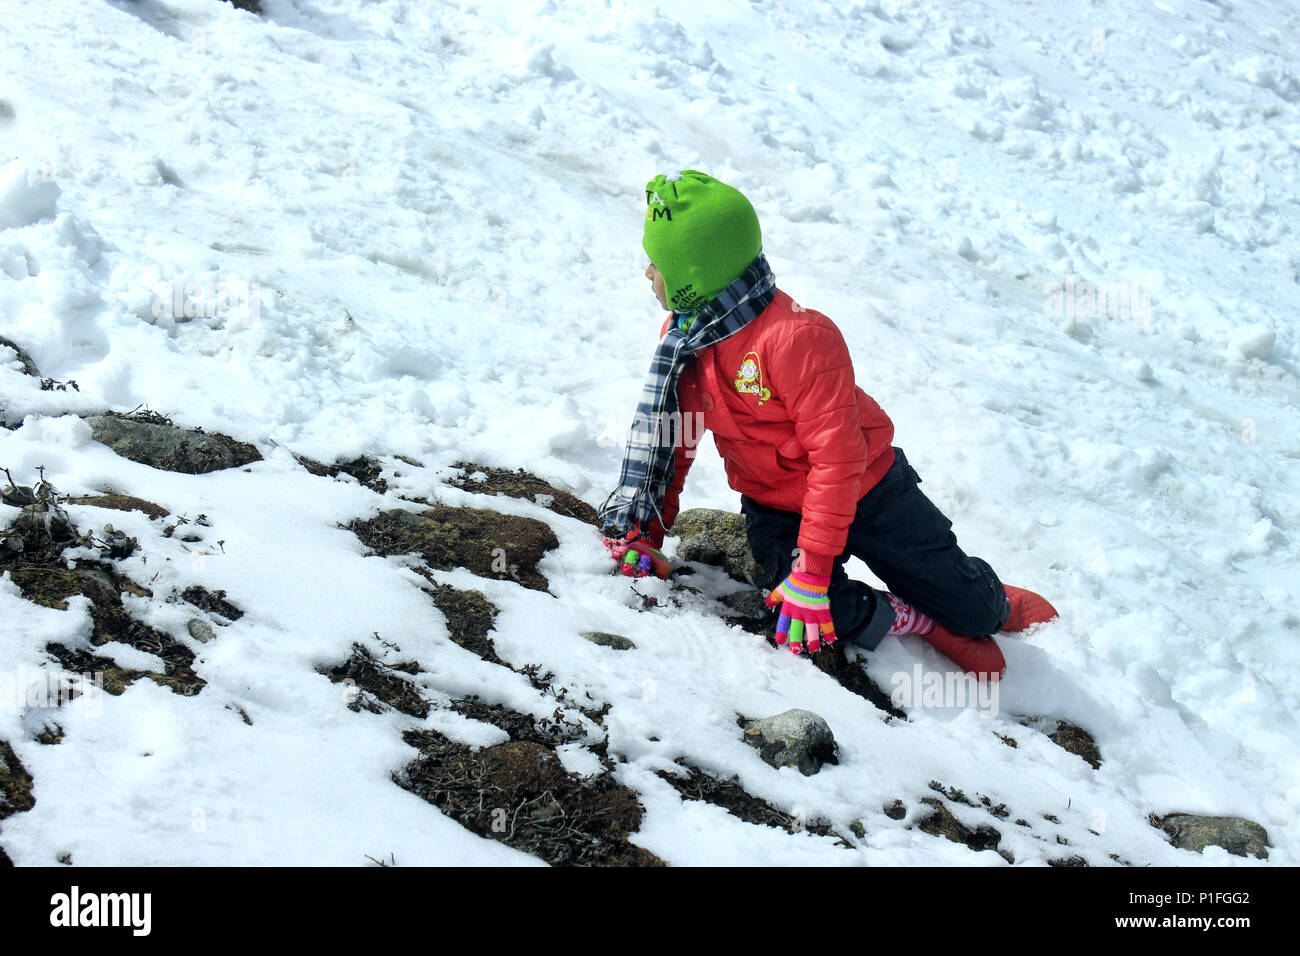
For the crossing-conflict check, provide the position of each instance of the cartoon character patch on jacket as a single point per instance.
(749, 378)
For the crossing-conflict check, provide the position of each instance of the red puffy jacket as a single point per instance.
(793, 429)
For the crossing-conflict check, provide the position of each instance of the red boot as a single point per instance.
(980, 656)
(1027, 609)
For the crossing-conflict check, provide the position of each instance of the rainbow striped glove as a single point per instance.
(805, 606)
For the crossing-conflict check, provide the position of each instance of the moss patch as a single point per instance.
(214, 602)
(380, 680)
(120, 503)
(518, 792)
(941, 822)
(695, 784)
(15, 783)
(53, 586)
(521, 484)
(470, 618)
(1069, 737)
(365, 470)
(488, 543)
(553, 731)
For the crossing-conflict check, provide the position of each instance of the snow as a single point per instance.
(1061, 247)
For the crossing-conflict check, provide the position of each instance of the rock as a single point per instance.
(488, 543)
(168, 447)
(200, 630)
(25, 360)
(1237, 835)
(795, 738)
(746, 603)
(617, 641)
(718, 537)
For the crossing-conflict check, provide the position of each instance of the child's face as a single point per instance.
(657, 282)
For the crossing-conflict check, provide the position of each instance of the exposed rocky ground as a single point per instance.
(518, 791)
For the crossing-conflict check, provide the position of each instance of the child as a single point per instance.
(810, 453)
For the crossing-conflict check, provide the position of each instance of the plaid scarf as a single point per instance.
(647, 470)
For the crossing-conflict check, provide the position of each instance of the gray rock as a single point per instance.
(1237, 835)
(718, 537)
(747, 603)
(795, 738)
(169, 447)
(25, 360)
(617, 641)
(200, 630)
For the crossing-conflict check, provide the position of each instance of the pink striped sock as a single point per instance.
(907, 619)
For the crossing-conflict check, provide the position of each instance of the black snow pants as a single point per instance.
(906, 542)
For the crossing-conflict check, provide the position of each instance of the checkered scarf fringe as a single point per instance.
(647, 471)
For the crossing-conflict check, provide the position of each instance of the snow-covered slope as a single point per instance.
(427, 216)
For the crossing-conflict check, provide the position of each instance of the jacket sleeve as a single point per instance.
(815, 378)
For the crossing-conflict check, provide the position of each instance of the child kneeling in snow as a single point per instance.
(810, 453)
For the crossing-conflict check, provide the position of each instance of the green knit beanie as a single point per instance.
(700, 234)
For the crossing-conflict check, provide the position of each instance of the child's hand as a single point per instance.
(805, 606)
(637, 559)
